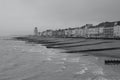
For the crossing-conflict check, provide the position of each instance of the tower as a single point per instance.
(36, 31)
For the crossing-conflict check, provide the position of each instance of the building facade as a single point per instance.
(102, 30)
(108, 30)
(93, 32)
(117, 30)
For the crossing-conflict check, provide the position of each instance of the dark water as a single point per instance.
(21, 61)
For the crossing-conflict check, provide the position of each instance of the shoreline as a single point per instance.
(95, 47)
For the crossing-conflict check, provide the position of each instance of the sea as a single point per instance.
(20, 60)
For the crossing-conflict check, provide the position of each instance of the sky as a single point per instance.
(19, 17)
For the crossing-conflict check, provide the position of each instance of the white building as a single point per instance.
(117, 30)
(101, 30)
(47, 33)
(68, 32)
(93, 31)
(85, 30)
(78, 32)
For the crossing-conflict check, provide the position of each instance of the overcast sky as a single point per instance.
(21, 16)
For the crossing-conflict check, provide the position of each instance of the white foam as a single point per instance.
(101, 78)
(82, 71)
(74, 60)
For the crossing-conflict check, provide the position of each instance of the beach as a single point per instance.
(56, 59)
(96, 47)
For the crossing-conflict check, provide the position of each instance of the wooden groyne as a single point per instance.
(112, 62)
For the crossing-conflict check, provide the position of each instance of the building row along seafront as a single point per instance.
(102, 30)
